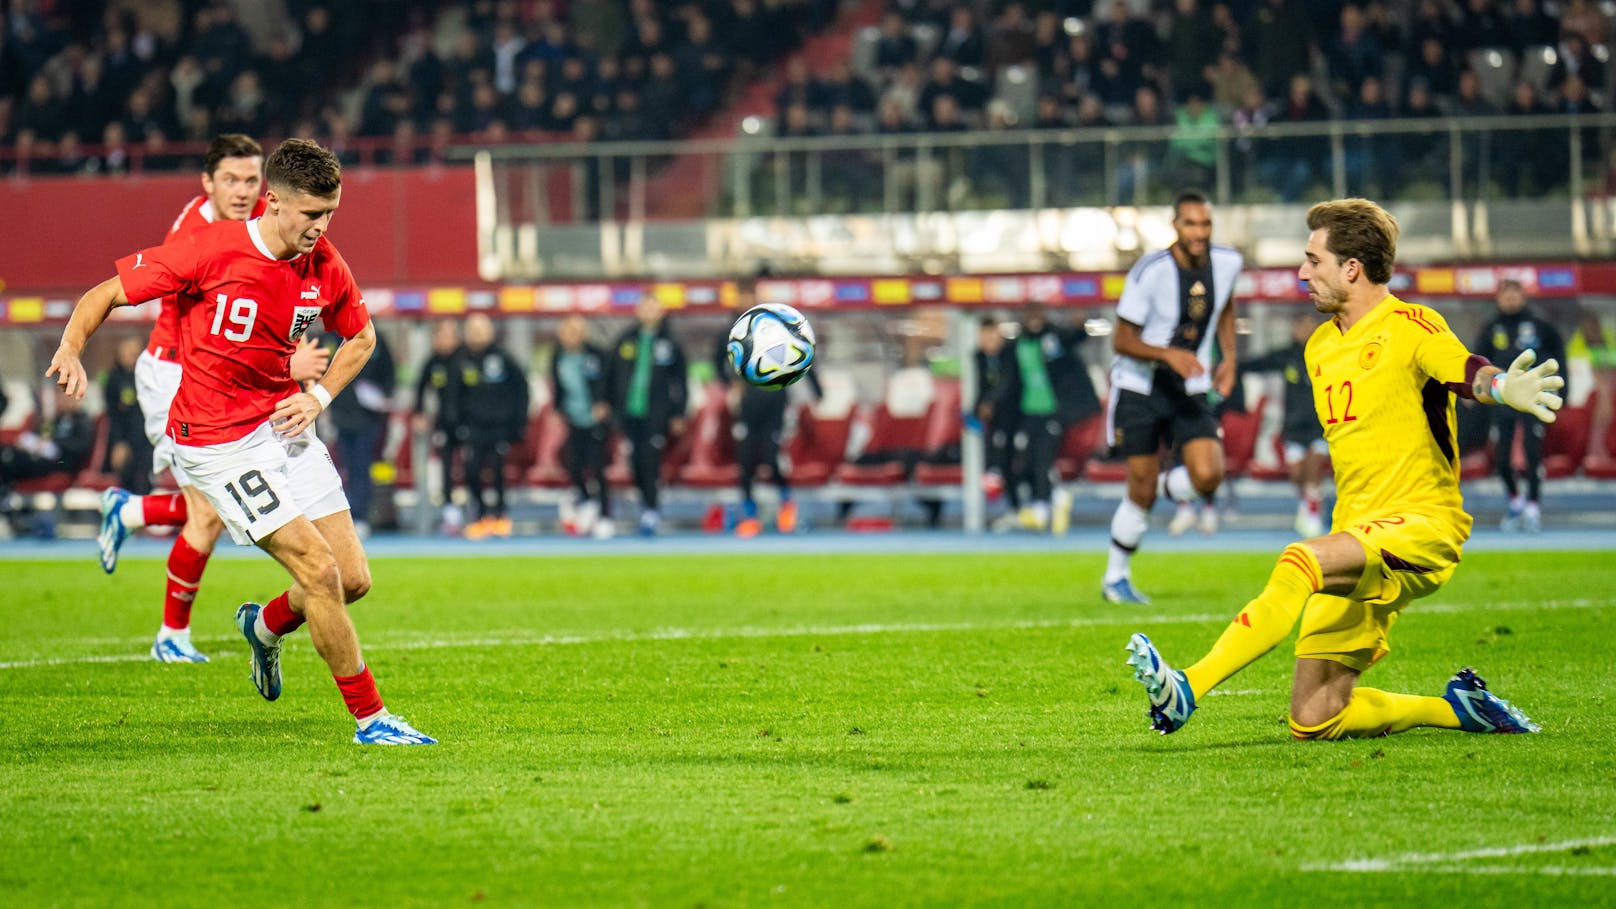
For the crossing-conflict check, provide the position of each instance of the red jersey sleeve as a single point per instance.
(344, 309)
(159, 271)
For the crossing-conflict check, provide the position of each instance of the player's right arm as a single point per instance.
(91, 311)
(1128, 341)
(145, 275)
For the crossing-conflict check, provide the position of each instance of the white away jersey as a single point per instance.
(1175, 307)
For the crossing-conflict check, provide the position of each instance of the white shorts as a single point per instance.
(262, 482)
(1296, 451)
(156, 382)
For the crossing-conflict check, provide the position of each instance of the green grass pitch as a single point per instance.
(805, 731)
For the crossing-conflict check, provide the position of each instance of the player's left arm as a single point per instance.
(1444, 357)
(297, 413)
(1223, 378)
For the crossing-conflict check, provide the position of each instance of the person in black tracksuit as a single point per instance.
(492, 417)
(1305, 449)
(129, 452)
(437, 399)
(999, 418)
(578, 375)
(359, 414)
(63, 445)
(1516, 329)
(1050, 386)
(646, 383)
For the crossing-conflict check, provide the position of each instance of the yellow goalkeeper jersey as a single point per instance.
(1384, 394)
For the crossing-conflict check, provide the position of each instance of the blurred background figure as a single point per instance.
(647, 392)
(1305, 450)
(61, 446)
(578, 375)
(999, 418)
(437, 407)
(1515, 329)
(492, 416)
(359, 415)
(129, 452)
(760, 422)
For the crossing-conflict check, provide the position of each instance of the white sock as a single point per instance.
(1516, 503)
(265, 636)
(1128, 527)
(1534, 510)
(165, 633)
(1178, 486)
(1040, 510)
(364, 723)
(133, 513)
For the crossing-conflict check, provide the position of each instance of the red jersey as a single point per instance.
(197, 214)
(241, 313)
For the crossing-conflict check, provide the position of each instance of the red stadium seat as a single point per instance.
(1565, 442)
(1240, 438)
(945, 426)
(891, 440)
(817, 447)
(709, 445)
(549, 436)
(1079, 444)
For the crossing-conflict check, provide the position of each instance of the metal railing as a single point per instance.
(1447, 158)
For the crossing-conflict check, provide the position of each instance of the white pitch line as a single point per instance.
(385, 642)
(1452, 862)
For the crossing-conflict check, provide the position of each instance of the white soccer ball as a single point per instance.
(771, 345)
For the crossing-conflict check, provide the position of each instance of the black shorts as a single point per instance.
(1301, 435)
(1142, 424)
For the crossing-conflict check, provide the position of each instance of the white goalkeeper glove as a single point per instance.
(1528, 389)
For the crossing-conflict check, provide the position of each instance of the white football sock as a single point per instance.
(265, 636)
(133, 512)
(1128, 527)
(1178, 486)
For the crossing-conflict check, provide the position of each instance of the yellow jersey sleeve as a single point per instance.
(1438, 352)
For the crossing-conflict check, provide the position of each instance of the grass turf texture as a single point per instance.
(849, 731)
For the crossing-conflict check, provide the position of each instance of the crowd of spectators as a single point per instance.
(96, 86)
(87, 87)
(1191, 66)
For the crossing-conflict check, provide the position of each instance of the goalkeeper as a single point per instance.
(1384, 374)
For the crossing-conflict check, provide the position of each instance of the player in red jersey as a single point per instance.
(243, 429)
(231, 179)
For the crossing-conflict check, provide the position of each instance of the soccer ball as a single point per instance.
(771, 345)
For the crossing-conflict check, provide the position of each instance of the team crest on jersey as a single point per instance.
(1370, 354)
(302, 318)
(1197, 300)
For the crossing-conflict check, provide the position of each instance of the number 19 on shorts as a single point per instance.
(249, 491)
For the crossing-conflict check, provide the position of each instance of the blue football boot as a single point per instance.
(1479, 710)
(1171, 700)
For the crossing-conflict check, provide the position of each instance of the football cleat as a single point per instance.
(785, 520)
(1479, 710)
(266, 658)
(113, 533)
(176, 649)
(1122, 591)
(1207, 520)
(1171, 700)
(1060, 517)
(1183, 519)
(387, 729)
(1512, 519)
(1532, 522)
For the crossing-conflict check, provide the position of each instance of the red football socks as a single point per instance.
(279, 618)
(163, 510)
(360, 694)
(185, 566)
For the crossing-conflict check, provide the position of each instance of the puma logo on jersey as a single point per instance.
(312, 293)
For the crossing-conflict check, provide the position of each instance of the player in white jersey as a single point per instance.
(1175, 304)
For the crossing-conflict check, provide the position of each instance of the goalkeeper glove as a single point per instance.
(1528, 389)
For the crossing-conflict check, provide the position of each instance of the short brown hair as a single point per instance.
(1358, 229)
(229, 145)
(303, 166)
